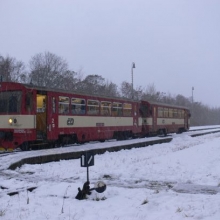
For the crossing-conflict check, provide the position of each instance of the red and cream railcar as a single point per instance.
(32, 116)
(159, 118)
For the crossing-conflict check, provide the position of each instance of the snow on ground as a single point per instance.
(176, 180)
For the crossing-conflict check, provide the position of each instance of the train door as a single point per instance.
(186, 119)
(52, 117)
(154, 115)
(135, 117)
(41, 115)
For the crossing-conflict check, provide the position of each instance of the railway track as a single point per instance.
(202, 129)
(75, 152)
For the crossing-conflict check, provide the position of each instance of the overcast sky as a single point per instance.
(175, 44)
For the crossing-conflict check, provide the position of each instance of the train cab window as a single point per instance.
(116, 109)
(93, 107)
(127, 109)
(63, 105)
(106, 108)
(160, 112)
(29, 102)
(10, 102)
(78, 106)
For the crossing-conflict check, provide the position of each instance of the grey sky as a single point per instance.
(174, 43)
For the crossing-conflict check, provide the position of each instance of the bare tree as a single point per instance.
(12, 70)
(110, 89)
(48, 70)
(150, 93)
(92, 84)
(126, 90)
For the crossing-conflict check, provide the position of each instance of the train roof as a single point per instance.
(164, 104)
(41, 88)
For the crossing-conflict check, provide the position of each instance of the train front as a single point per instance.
(16, 125)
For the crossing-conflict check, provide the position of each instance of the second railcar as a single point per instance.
(159, 118)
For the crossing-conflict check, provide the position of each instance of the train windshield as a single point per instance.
(10, 102)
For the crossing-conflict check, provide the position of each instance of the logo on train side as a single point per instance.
(70, 121)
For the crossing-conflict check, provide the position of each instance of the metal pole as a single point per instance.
(87, 174)
(192, 105)
(132, 80)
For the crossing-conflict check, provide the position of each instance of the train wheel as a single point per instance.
(164, 132)
(25, 146)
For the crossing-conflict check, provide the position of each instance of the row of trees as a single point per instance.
(49, 70)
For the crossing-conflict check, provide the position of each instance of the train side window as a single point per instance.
(179, 113)
(63, 105)
(12, 107)
(106, 108)
(166, 113)
(78, 106)
(54, 105)
(127, 109)
(160, 112)
(170, 113)
(116, 109)
(175, 113)
(182, 113)
(93, 107)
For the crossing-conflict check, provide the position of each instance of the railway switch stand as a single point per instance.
(85, 191)
(87, 159)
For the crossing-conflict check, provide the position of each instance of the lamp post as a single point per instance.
(192, 104)
(132, 82)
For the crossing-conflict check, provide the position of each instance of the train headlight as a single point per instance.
(10, 121)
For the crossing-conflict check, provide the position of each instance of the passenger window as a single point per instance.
(175, 113)
(63, 105)
(182, 113)
(106, 108)
(93, 107)
(78, 106)
(170, 113)
(160, 112)
(165, 112)
(127, 109)
(116, 109)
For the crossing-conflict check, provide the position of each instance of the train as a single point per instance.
(33, 117)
